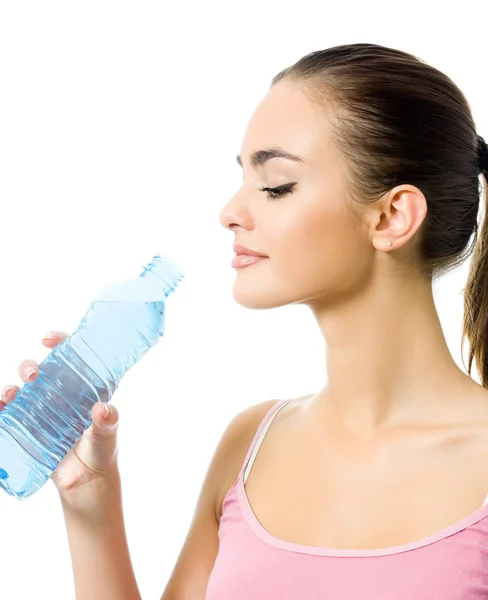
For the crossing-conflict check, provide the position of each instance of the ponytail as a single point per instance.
(475, 323)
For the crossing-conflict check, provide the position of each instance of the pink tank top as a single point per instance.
(252, 564)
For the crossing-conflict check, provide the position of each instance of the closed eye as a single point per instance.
(278, 192)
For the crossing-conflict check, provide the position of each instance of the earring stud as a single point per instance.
(389, 243)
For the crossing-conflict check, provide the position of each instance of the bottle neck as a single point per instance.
(164, 273)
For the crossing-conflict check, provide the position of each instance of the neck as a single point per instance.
(387, 359)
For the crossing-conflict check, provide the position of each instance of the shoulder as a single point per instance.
(243, 426)
(235, 443)
(228, 456)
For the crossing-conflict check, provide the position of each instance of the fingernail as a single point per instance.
(106, 411)
(6, 390)
(29, 371)
(49, 336)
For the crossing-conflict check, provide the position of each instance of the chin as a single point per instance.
(260, 295)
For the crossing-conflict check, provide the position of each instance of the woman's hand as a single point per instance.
(94, 455)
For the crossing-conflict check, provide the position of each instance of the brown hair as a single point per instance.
(398, 120)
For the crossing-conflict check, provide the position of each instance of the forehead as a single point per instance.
(285, 117)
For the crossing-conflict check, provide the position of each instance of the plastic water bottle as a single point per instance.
(49, 415)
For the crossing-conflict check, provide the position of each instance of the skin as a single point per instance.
(398, 420)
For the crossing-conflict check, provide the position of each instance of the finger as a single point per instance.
(28, 370)
(102, 420)
(8, 394)
(53, 338)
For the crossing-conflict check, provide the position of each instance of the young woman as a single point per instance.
(360, 186)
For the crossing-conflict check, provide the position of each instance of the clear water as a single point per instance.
(49, 415)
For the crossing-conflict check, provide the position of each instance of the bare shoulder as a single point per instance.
(237, 439)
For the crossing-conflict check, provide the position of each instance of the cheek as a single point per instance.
(321, 248)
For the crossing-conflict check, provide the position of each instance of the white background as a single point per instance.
(119, 127)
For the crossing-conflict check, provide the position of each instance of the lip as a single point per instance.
(245, 260)
(238, 249)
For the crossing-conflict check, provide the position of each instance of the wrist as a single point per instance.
(92, 499)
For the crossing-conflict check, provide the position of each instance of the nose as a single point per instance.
(235, 213)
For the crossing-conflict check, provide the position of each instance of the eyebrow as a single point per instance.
(260, 157)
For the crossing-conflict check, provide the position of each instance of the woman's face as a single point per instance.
(318, 251)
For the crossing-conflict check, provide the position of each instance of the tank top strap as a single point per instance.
(259, 437)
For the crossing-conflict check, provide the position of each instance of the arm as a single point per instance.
(192, 570)
(102, 567)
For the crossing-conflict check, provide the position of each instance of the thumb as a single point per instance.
(105, 418)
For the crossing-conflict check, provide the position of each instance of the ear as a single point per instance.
(397, 217)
